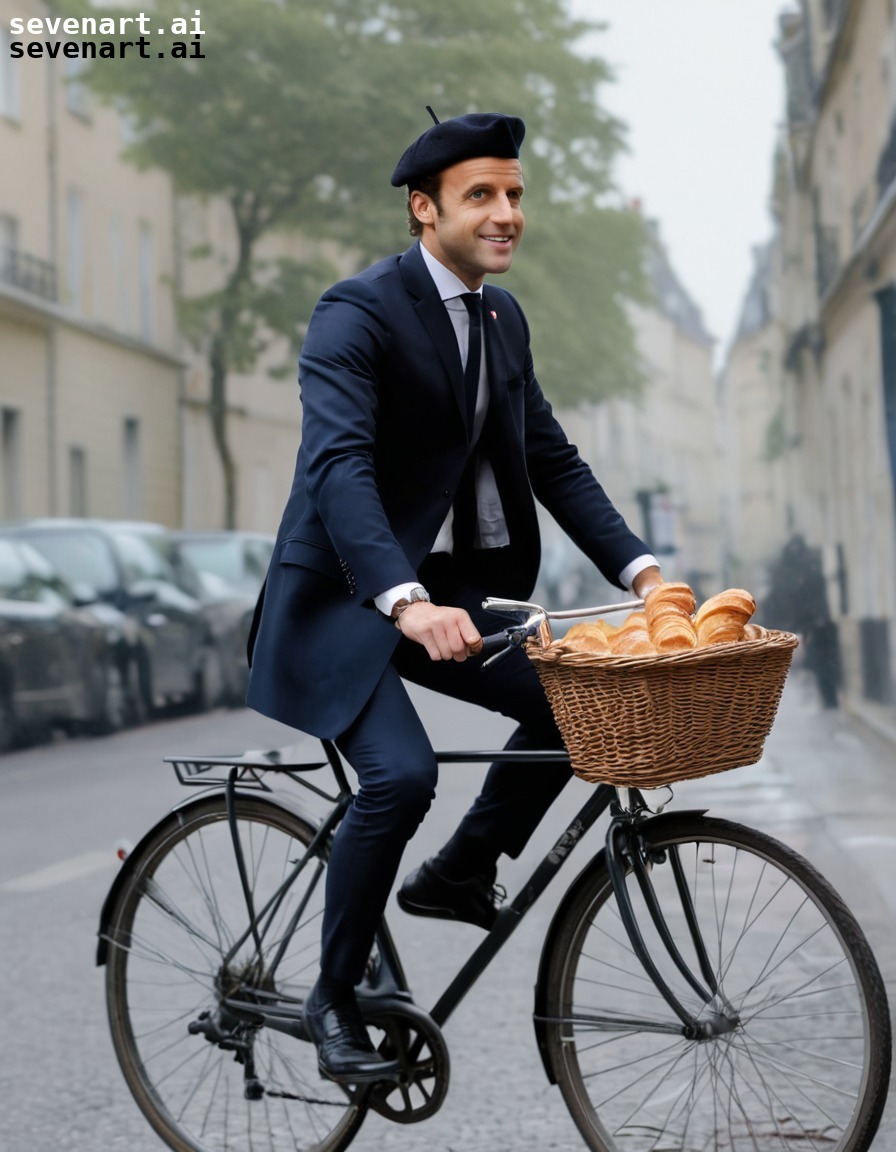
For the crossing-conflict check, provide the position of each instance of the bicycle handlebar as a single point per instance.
(531, 617)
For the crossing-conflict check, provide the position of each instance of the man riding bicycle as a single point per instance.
(426, 442)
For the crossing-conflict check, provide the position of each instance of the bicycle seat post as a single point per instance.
(337, 766)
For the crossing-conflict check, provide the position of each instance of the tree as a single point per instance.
(295, 115)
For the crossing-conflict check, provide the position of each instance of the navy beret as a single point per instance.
(463, 138)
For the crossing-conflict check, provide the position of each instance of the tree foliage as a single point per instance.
(296, 116)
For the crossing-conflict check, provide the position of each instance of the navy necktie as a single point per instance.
(473, 302)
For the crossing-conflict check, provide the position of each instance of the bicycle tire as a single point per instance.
(806, 1067)
(179, 912)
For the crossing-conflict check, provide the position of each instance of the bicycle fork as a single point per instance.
(627, 850)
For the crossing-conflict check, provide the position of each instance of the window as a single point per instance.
(74, 216)
(118, 278)
(132, 471)
(9, 243)
(11, 457)
(146, 283)
(10, 80)
(77, 481)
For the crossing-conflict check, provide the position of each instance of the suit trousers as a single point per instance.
(393, 759)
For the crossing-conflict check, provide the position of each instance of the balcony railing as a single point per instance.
(886, 165)
(28, 273)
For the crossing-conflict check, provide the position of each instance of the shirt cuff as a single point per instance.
(386, 600)
(631, 570)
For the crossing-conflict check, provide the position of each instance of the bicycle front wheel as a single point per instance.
(801, 1060)
(184, 972)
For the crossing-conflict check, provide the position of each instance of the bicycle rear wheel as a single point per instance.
(806, 1064)
(183, 974)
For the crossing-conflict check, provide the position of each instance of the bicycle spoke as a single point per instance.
(794, 1058)
(187, 987)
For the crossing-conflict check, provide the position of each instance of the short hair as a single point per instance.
(430, 186)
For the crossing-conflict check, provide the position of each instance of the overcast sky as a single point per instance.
(700, 86)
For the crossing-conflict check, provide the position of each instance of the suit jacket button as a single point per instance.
(446, 493)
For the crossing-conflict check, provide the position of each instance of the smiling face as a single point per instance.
(476, 224)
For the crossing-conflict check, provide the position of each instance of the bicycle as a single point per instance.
(701, 986)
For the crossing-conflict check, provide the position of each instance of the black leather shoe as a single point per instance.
(344, 1051)
(425, 892)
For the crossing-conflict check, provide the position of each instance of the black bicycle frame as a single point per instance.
(624, 853)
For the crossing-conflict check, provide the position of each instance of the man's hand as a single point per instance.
(445, 633)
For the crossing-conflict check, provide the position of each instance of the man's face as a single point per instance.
(479, 221)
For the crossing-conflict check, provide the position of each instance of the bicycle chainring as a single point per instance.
(415, 1040)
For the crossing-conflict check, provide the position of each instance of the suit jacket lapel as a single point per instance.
(433, 314)
(496, 358)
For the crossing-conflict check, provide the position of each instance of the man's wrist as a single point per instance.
(646, 581)
(416, 595)
(384, 600)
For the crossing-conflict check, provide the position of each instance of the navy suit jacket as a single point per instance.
(383, 453)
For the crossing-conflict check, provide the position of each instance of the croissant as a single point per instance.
(585, 637)
(636, 621)
(632, 642)
(668, 609)
(721, 618)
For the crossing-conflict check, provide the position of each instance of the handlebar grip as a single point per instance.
(493, 643)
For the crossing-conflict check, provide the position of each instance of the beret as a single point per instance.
(462, 138)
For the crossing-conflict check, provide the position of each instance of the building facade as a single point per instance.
(828, 339)
(103, 402)
(90, 375)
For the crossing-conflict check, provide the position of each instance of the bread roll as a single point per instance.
(721, 618)
(668, 609)
(586, 637)
(754, 632)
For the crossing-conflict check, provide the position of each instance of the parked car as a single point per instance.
(228, 610)
(62, 664)
(177, 655)
(239, 558)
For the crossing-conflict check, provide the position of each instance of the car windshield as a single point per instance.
(142, 557)
(26, 575)
(84, 557)
(12, 572)
(242, 563)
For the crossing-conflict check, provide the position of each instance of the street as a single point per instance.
(825, 786)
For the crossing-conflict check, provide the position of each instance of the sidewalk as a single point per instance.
(880, 717)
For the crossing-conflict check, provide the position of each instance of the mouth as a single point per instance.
(497, 239)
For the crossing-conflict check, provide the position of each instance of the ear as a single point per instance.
(422, 207)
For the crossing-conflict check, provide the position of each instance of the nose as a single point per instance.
(504, 208)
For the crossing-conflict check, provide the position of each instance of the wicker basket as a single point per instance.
(646, 721)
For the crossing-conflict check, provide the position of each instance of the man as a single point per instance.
(425, 442)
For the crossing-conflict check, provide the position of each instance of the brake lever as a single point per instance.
(515, 638)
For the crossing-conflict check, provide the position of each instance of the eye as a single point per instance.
(478, 194)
